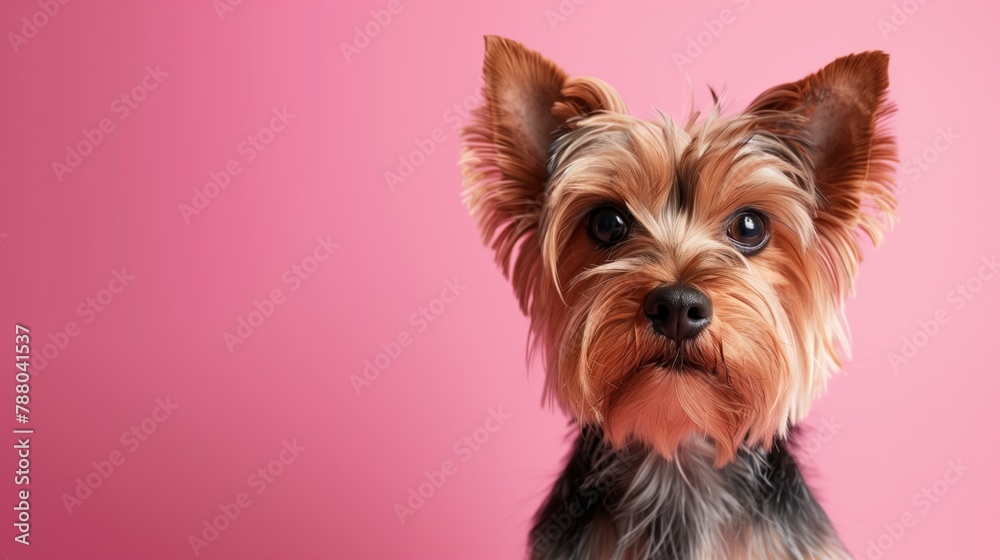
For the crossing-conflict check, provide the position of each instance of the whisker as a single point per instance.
(722, 354)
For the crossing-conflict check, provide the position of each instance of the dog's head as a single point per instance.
(681, 278)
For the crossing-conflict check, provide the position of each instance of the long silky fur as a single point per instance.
(628, 504)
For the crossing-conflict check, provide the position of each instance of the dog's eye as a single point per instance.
(608, 226)
(749, 232)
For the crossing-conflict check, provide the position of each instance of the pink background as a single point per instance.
(889, 431)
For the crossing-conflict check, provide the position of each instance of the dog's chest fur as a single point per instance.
(632, 505)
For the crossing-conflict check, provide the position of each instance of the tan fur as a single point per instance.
(545, 150)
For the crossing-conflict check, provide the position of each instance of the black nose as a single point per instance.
(678, 312)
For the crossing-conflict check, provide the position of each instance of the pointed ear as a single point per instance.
(839, 114)
(528, 102)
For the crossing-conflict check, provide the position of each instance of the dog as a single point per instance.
(685, 284)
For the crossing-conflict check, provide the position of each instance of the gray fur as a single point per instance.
(636, 505)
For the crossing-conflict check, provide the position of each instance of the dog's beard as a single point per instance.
(732, 383)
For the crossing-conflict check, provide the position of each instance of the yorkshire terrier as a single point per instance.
(685, 284)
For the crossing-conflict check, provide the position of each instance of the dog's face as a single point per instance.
(681, 279)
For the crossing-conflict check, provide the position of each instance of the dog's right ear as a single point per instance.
(528, 100)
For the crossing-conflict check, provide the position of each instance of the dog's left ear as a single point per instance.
(529, 101)
(838, 115)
